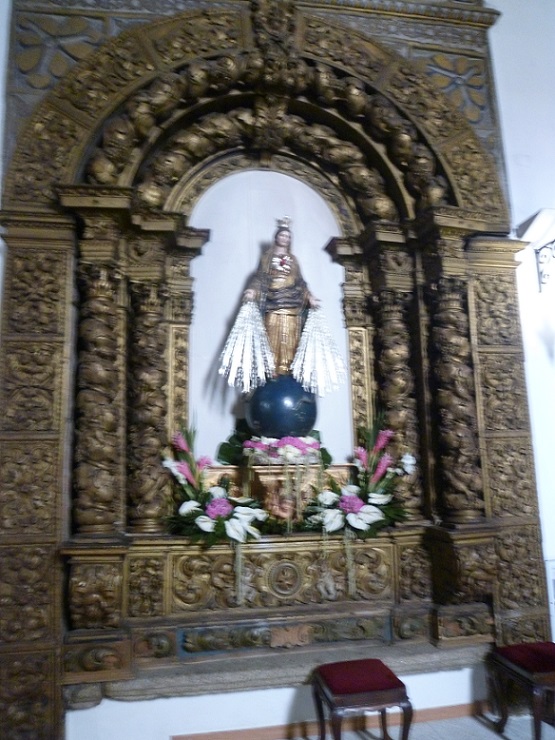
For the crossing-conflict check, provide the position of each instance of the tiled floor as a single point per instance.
(464, 728)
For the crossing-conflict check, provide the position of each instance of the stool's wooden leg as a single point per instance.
(335, 721)
(383, 722)
(406, 707)
(319, 710)
(538, 703)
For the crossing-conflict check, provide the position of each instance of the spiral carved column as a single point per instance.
(97, 507)
(396, 393)
(148, 490)
(461, 489)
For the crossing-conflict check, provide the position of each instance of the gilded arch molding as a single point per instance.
(127, 97)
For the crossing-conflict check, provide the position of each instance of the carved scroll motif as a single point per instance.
(148, 489)
(396, 389)
(459, 457)
(96, 480)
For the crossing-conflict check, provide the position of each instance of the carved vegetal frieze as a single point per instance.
(361, 381)
(200, 35)
(95, 595)
(27, 592)
(411, 625)
(29, 310)
(415, 576)
(84, 663)
(520, 582)
(154, 645)
(32, 386)
(272, 579)
(497, 320)
(504, 392)
(527, 628)
(97, 448)
(464, 624)
(27, 692)
(29, 484)
(145, 587)
(51, 136)
(511, 478)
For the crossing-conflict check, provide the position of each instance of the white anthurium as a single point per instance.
(379, 498)
(205, 523)
(408, 462)
(350, 490)
(236, 529)
(187, 507)
(217, 492)
(366, 516)
(240, 499)
(172, 466)
(249, 515)
(333, 519)
(328, 498)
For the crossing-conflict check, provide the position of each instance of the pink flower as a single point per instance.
(254, 445)
(381, 467)
(362, 454)
(203, 462)
(180, 443)
(219, 507)
(382, 440)
(351, 503)
(185, 470)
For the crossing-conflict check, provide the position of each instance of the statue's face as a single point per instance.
(283, 239)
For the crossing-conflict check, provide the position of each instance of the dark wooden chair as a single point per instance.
(532, 667)
(354, 687)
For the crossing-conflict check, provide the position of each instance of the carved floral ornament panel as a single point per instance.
(235, 84)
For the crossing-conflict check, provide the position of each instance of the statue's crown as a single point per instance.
(284, 223)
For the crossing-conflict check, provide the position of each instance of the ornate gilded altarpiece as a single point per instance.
(120, 114)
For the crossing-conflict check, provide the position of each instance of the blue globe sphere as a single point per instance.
(281, 408)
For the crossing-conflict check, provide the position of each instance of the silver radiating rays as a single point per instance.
(317, 364)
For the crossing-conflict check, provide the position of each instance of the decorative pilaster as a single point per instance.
(348, 253)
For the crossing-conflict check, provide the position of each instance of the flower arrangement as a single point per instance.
(368, 504)
(292, 450)
(208, 514)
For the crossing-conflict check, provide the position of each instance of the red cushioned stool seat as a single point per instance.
(532, 666)
(354, 687)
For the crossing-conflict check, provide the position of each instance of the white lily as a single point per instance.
(205, 523)
(187, 507)
(366, 516)
(333, 519)
(328, 498)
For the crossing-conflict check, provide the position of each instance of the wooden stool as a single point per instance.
(531, 666)
(353, 687)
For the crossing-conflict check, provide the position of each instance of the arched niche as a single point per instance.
(240, 211)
